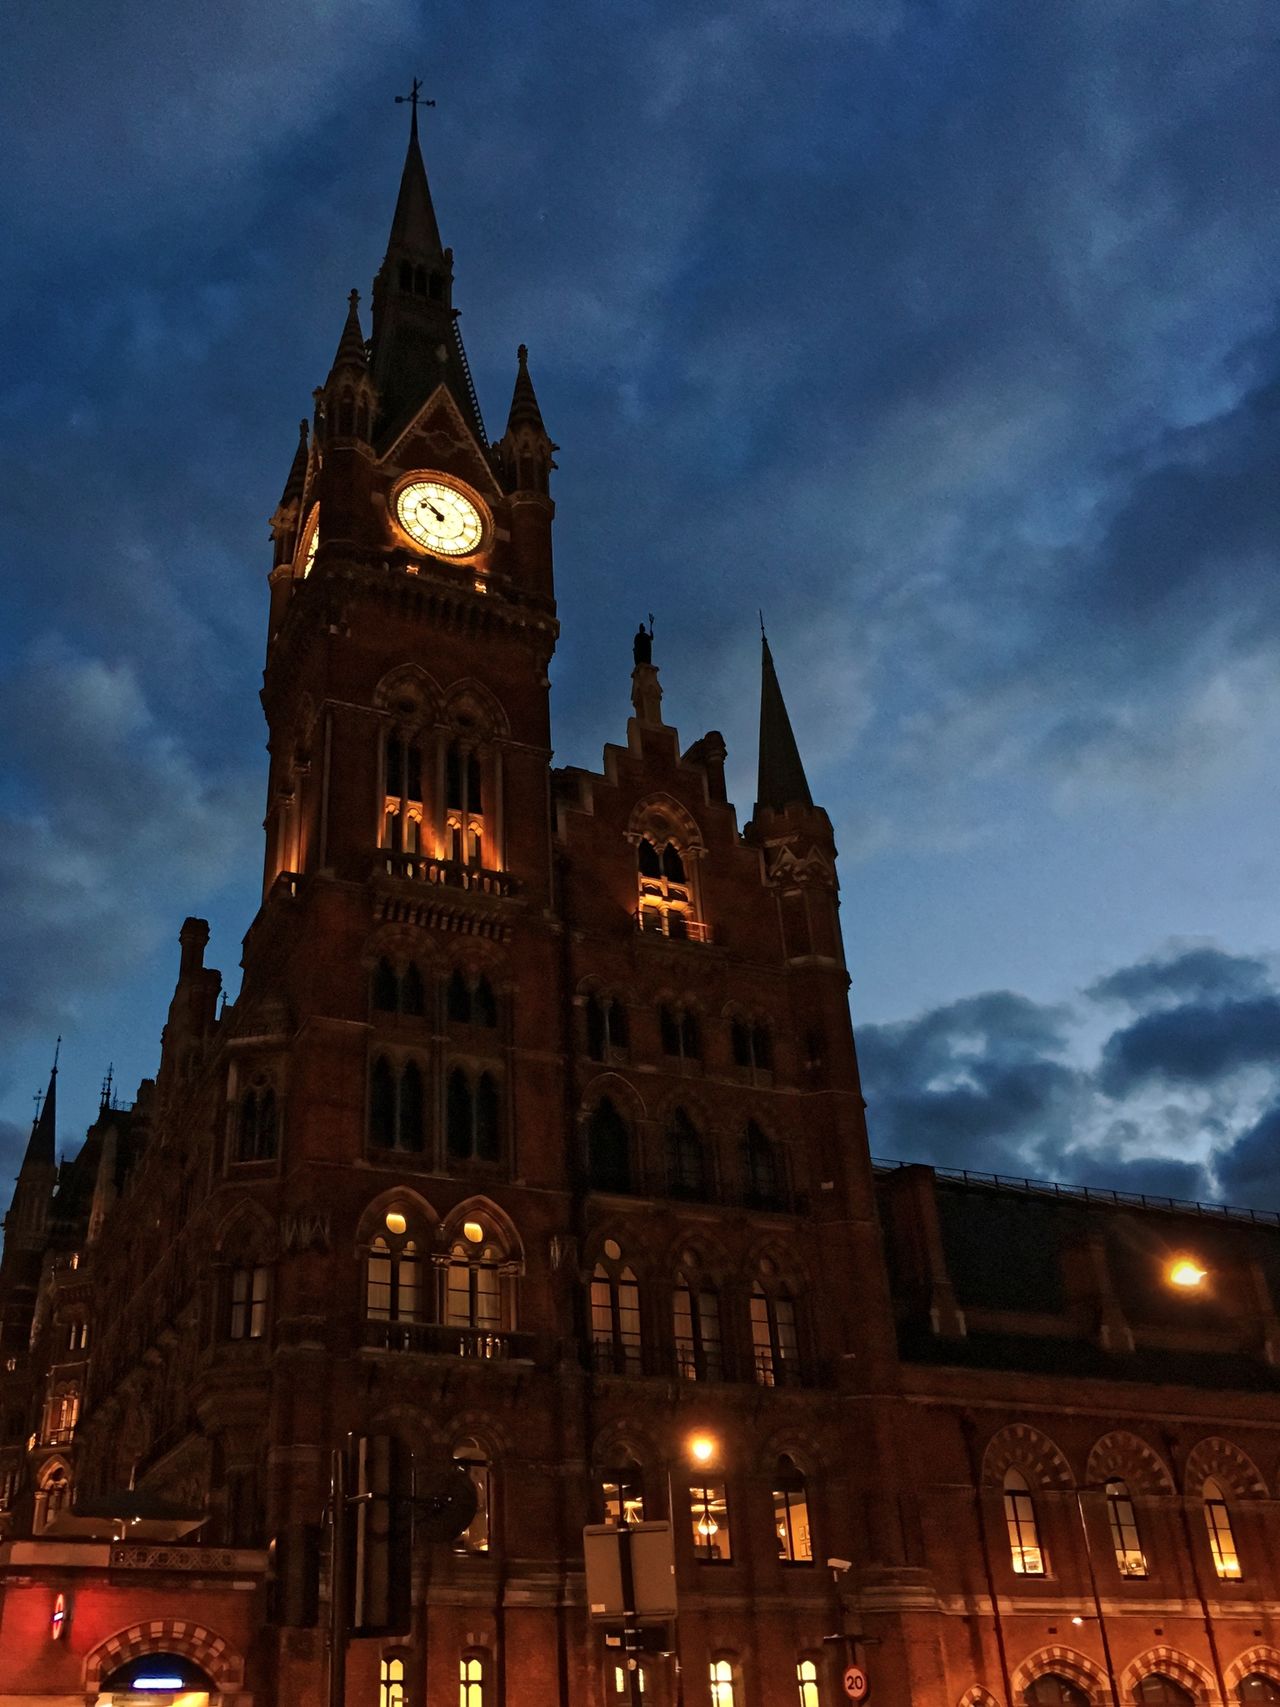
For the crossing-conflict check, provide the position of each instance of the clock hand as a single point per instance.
(438, 514)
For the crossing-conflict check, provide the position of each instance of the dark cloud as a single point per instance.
(1198, 974)
(1192, 1044)
(1250, 1166)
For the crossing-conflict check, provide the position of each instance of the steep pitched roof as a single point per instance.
(781, 781)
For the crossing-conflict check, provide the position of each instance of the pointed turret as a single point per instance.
(416, 343)
(781, 780)
(525, 449)
(294, 485)
(350, 356)
(41, 1146)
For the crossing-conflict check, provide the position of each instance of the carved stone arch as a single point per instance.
(1128, 1458)
(977, 1696)
(493, 1439)
(803, 1449)
(401, 944)
(481, 1208)
(51, 1467)
(245, 1231)
(474, 712)
(693, 1101)
(194, 1641)
(1253, 1660)
(660, 815)
(1259, 1659)
(402, 1197)
(475, 955)
(622, 1439)
(1173, 1663)
(1228, 1464)
(789, 1268)
(622, 1232)
(1023, 1448)
(621, 1092)
(413, 1424)
(1076, 1667)
(409, 694)
(710, 1258)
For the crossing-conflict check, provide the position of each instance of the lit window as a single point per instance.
(312, 541)
(1020, 1518)
(248, 1303)
(621, 1682)
(696, 1325)
(722, 1683)
(807, 1683)
(791, 1514)
(1222, 1543)
(709, 1513)
(666, 895)
(464, 801)
(622, 1495)
(391, 1683)
(474, 1295)
(470, 1681)
(394, 1283)
(774, 1343)
(474, 1460)
(615, 1320)
(402, 812)
(78, 1336)
(1130, 1559)
(1258, 1690)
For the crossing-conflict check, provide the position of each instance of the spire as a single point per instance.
(42, 1142)
(351, 348)
(416, 344)
(524, 403)
(781, 779)
(297, 480)
(414, 232)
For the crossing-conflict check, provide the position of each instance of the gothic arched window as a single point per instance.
(395, 1294)
(1157, 1689)
(686, 1159)
(762, 1169)
(1025, 1551)
(473, 1115)
(1258, 1690)
(751, 1045)
(666, 894)
(696, 1331)
(386, 988)
(608, 1148)
(257, 1136)
(1051, 1689)
(470, 1002)
(1130, 1559)
(622, 1493)
(616, 1344)
(775, 1345)
(477, 1294)
(791, 1513)
(607, 1029)
(1222, 1541)
(402, 812)
(397, 1106)
(464, 804)
(680, 1032)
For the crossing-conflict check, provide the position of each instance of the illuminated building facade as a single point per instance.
(534, 1138)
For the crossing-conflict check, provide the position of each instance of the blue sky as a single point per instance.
(947, 333)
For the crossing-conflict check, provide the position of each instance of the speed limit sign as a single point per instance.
(855, 1683)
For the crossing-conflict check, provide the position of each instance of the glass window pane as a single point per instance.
(709, 1330)
(709, 1513)
(807, 1683)
(721, 1684)
(686, 1362)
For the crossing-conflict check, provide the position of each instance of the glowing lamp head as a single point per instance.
(396, 1222)
(473, 1232)
(1186, 1273)
(702, 1448)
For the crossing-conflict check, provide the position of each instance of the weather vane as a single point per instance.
(413, 97)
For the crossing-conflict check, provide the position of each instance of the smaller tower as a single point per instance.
(526, 457)
(27, 1222)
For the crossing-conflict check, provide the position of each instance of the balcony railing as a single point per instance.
(677, 927)
(451, 874)
(431, 1339)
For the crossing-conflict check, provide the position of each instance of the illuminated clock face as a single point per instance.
(440, 518)
(309, 550)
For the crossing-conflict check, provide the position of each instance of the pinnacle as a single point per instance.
(524, 402)
(781, 781)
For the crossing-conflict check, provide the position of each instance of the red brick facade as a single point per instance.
(534, 1136)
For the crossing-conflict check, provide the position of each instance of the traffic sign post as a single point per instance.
(856, 1686)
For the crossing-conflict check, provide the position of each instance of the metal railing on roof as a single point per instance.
(1028, 1187)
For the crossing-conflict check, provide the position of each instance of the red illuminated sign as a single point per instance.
(58, 1618)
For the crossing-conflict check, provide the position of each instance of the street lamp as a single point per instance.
(1186, 1273)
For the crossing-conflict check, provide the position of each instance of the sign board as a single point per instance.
(855, 1683)
(653, 1571)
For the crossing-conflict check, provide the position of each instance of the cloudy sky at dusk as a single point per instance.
(947, 333)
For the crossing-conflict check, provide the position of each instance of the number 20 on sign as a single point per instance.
(855, 1683)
